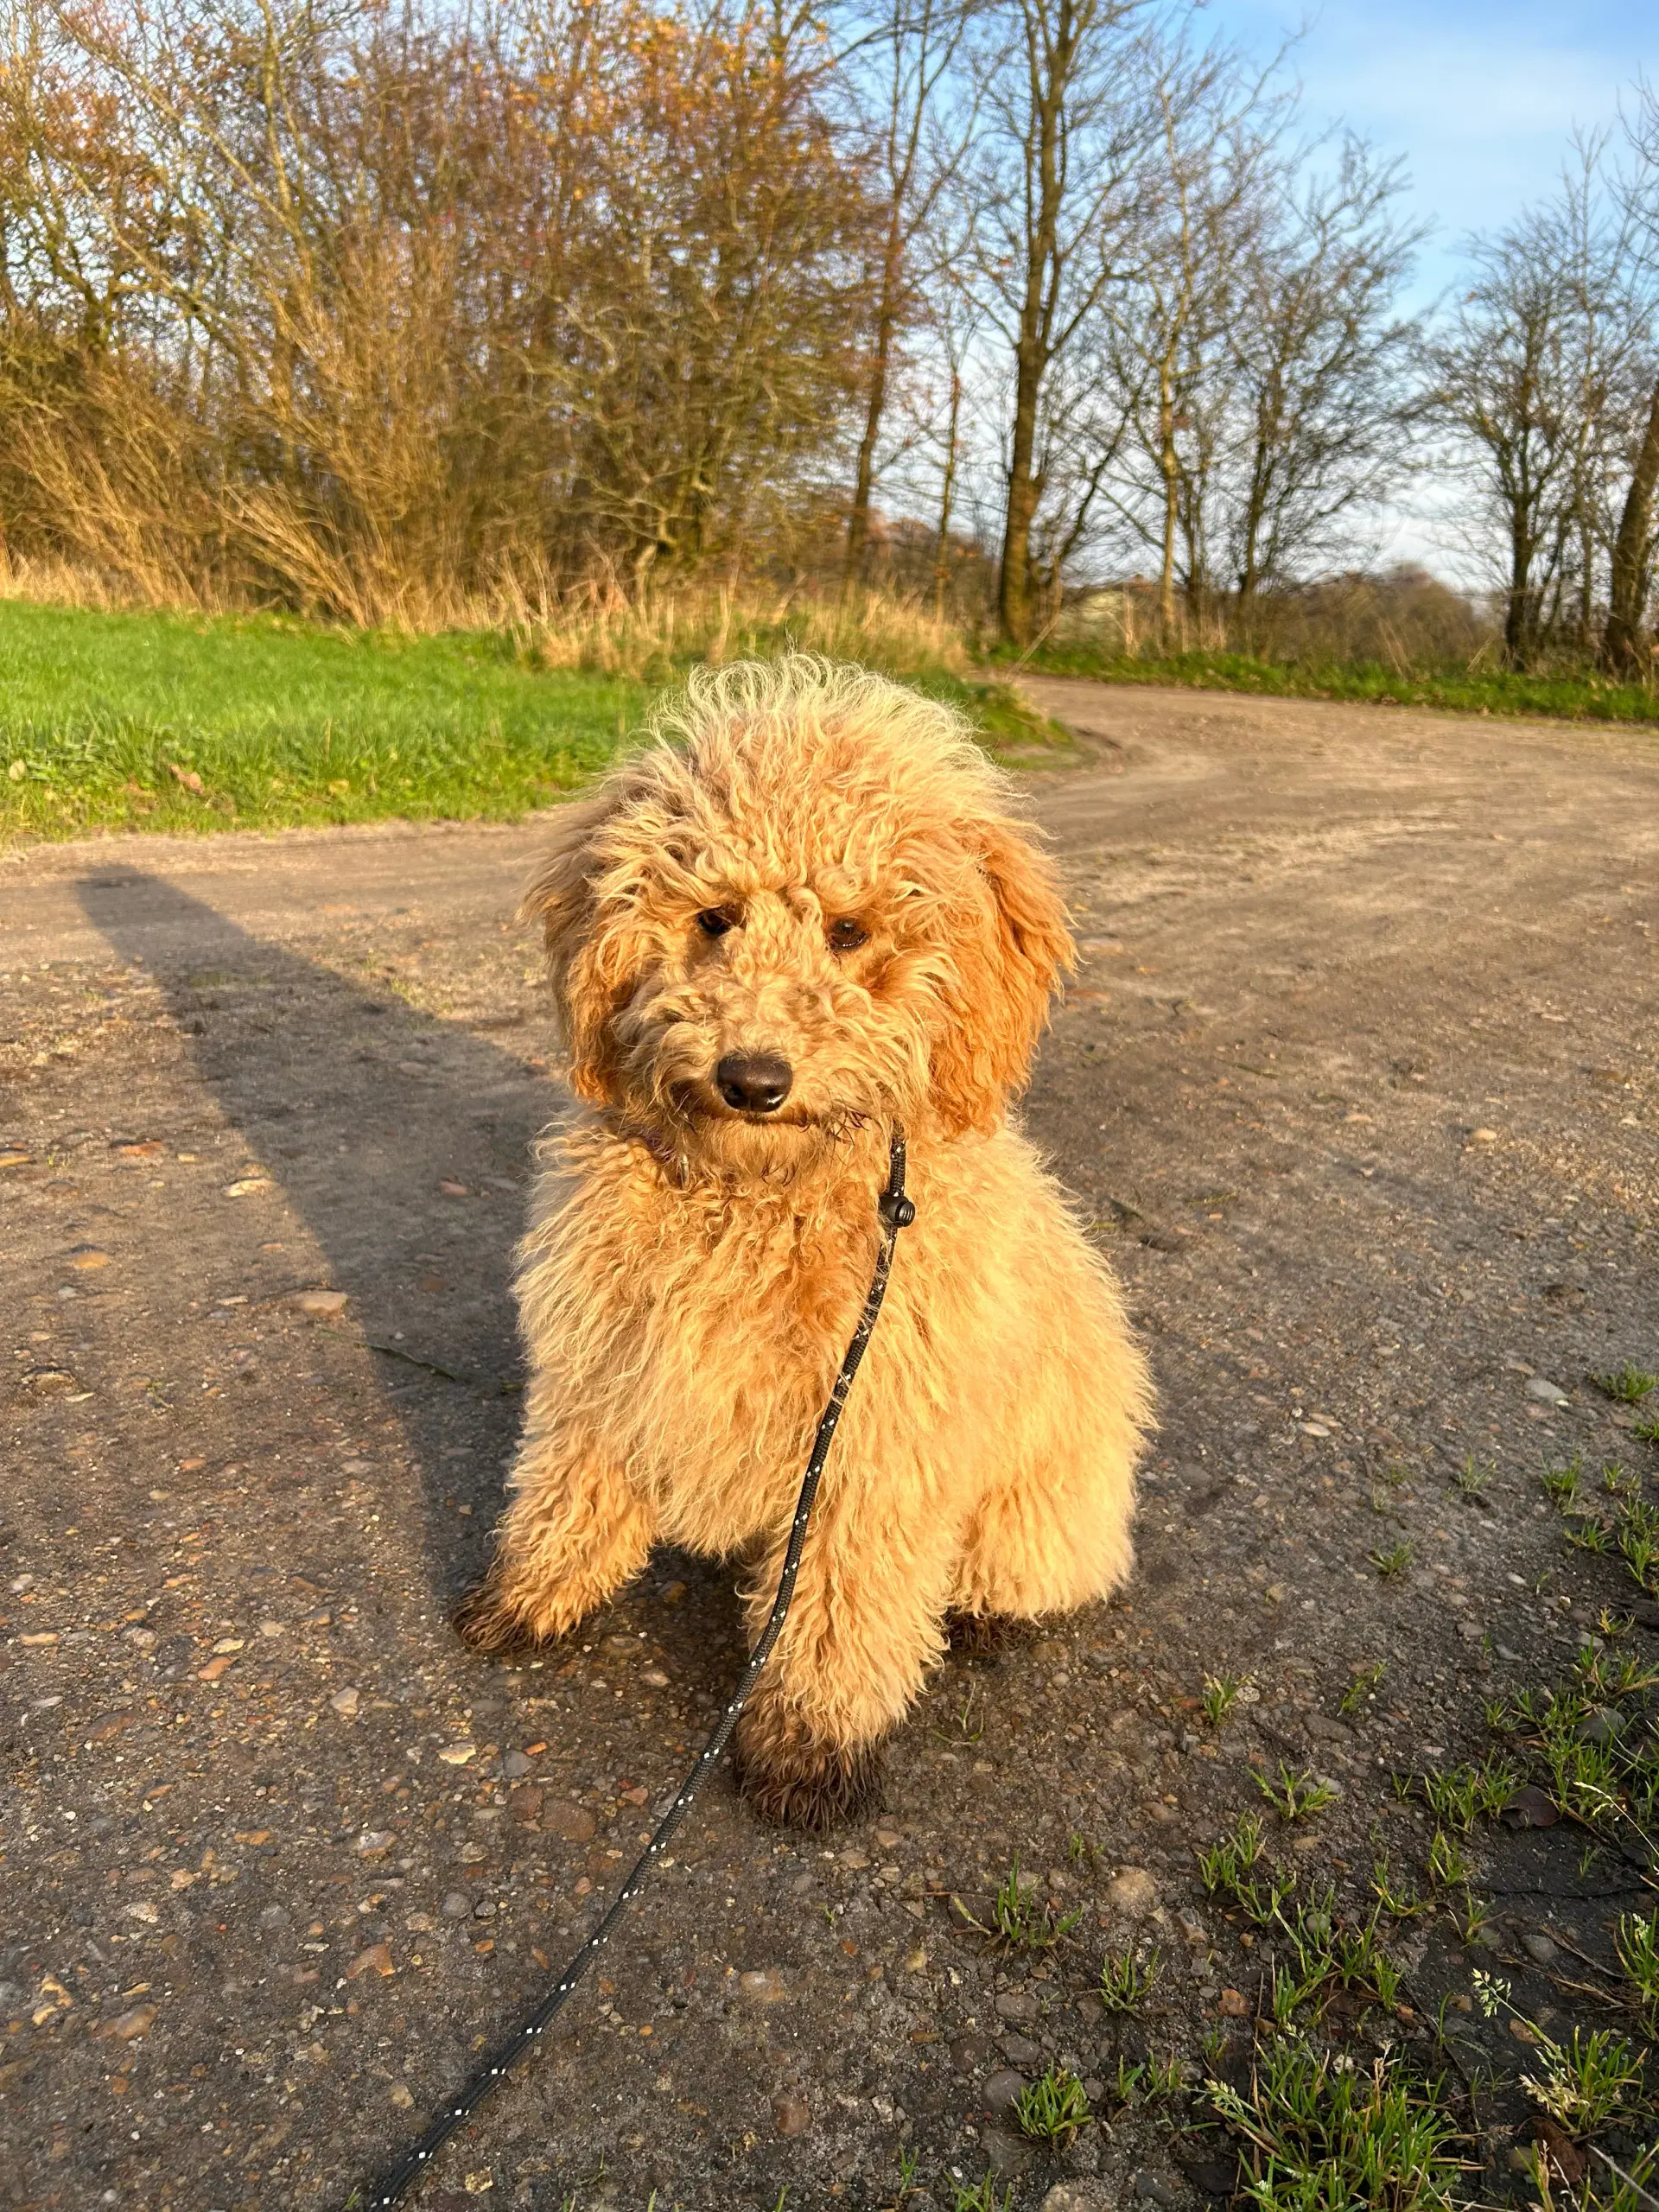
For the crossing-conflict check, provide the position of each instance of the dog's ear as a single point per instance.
(561, 895)
(1013, 944)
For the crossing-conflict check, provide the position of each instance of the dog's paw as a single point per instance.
(802, 1783)
(988, 1636)
(485, 1622)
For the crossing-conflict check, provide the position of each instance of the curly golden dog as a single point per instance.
(808, 912)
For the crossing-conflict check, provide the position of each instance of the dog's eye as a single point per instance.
(848, 934)
(715, 921)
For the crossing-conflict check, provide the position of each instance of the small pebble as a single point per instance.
(1153, 2188)
(1132, 1891)
(1001, 2091)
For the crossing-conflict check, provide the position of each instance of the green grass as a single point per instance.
(1571, 698)
(1020, 1920)
(1125, 1982)
(1293, 1794)
(1318, 2135)
(1053, 2109)
(185, 723)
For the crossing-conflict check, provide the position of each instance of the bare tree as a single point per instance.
(904, 71)
(1065, 124)
(1631, 578)
(1174, 320)
(1322, 367)
(1534, 380)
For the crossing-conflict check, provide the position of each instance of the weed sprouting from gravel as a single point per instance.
(1582, 2085)
(1458, 1795)
(1020, 1919)
(1127, 1982)
(1627, 1385)
(1147, 2080)
(1636, 1942)
(1392, 1562)
(1319, 2131)
(1396, 1899)
(1221, 1694)
(1362, 1688)
(1295, 1795)
(1223, 1868)
(1562, 1484)
(1473, 1478)
(1448, 1867)
(1053, 2109)
(983, 2197)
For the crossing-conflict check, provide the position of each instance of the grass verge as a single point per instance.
(1558, 698)
(155, 720)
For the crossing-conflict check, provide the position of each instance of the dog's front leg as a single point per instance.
(575, 1532)
(864, 1628)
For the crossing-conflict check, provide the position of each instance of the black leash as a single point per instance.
(896, 1211)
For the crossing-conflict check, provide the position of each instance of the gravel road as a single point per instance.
(1357, 1084)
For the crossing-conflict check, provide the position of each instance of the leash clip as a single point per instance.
(897, 1211)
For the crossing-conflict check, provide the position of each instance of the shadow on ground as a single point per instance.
(294, 1054)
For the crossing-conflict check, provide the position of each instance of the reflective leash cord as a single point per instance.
(896, 1211)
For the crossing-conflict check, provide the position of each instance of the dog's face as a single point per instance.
(816, 913)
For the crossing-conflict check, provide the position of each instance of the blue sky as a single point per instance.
(1479, 95)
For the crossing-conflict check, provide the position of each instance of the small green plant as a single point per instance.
(1295, 1796)
(1053, 2109)
(1362, 1688)
(1320, 2133)
(1459, 1795)
(1627, 1385)
(1588, 2083)
(1447, 1867)
(1469, 1914)
(983, 2197)
(1020, 1920)
(1221, 1696)
(1394, 1560)
(1638, 1539)
(1224, 1865)
(1638, 1943)
(1081, 1852)
(968, 1724)
(1402, 1903)
(1472, 1478)
(909, 2159)
(1648, 1430)
(1581, 2086)
(1589, 1533)
(1562, 1484)
(1127, 1982)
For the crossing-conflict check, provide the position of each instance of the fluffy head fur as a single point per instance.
(810, 807)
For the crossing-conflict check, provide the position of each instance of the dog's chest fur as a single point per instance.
(692, 1335)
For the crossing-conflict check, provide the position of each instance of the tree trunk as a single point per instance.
(1620, 642)
(947, 493)
(858, 520)
(1014, 585)
(1169, 469)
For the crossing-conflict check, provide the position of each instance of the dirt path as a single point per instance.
(1357, 1083)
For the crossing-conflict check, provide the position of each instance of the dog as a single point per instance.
(806, 914)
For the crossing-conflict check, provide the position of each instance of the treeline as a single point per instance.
(398, 311)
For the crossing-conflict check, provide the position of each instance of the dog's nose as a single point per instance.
(753, 1083)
